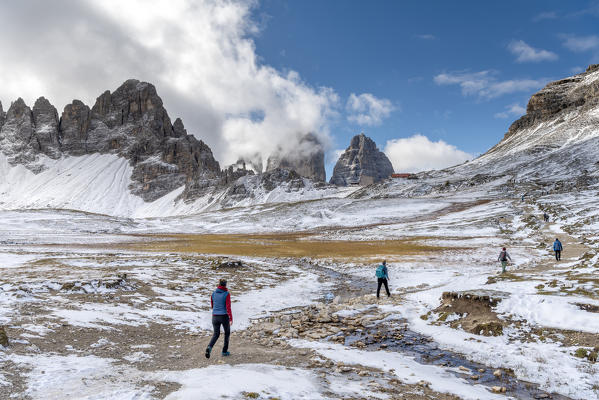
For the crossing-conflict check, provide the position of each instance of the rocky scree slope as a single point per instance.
(362, 163)
(131, 122)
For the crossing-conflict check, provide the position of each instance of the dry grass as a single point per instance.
(279, 245)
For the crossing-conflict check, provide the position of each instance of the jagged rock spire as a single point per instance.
(362, 163)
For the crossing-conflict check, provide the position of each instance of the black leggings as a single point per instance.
(378, 288)
(217, 321)
(558, 255)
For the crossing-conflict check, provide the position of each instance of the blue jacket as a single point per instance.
(557, 245)
(221, 302)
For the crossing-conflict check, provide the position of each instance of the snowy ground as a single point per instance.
(89, 318)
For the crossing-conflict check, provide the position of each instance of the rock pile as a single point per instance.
(320, 321)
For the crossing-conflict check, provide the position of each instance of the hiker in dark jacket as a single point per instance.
(557, 247)
(382, 275)
(503, 257)
(220, 302)
(546, 217)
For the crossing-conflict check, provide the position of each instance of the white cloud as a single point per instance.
(546, 15)
(366, 109)
(514, 110)
(334, 156)
(199, 54)
(527, 53)
(419, 153)
(485, 84)
(426, 36)
(581, 44)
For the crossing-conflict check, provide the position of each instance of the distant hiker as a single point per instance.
(546, 217)
(503, 257)
(220, 302)
(557, 247)
(523, 196)
(382, 275)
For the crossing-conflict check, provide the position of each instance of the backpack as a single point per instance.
(503, 256)
(380, 273)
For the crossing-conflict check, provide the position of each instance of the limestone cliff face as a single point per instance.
(2, 116)
(130, 122)
(579, 92)
(307, 159)
(557, 139)
(362, 163)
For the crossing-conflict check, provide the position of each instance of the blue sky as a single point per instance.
(432, 82)
(394, 50)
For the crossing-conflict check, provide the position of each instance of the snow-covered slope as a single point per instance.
(558, 137)
(552, 147)
(100, 183)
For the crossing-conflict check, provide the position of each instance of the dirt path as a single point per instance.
(573, 247)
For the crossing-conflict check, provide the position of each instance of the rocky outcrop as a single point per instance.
(130, 122)
(553, 146)
(1, 115)
(17, 134)
(45, 121)
(307, 159)
(559, 96)
(74, 124)
(362, 163)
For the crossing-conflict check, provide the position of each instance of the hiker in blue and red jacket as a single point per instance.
(220, 301)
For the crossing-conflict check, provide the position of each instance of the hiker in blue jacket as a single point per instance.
(382, 275)
(557, 247)
(221, 315)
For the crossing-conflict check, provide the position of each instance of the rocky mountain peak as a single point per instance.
(576, 92)
(46, 121)
(362, 163)
(307, 159)
(17, 133)
(1, 115)
(556, 139)
(131, 122)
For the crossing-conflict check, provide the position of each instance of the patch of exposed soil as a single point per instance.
(472, 311)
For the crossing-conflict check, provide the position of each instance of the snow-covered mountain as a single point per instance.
(557, 139)
(124, 157)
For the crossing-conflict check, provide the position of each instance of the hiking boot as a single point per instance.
(225, 354)
(208, 350)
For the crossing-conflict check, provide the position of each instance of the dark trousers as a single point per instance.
(217, 321)
(558, 255)
(382, 281)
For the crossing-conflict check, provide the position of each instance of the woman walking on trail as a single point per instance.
(382, 275)
(503, 257)
(220, 301)
(557, 247)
